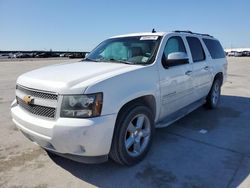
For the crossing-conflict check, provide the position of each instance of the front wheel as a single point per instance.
(133, 135)
(213, 97)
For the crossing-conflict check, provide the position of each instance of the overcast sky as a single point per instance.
(81, 25)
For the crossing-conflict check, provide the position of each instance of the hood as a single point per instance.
(65, 78)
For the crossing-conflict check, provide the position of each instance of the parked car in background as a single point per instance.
(47, 54)
(23, 55)
(41, 55)
(246, 53)
(11, 55)
(77, 55)
(4, 56)
(238, 54)
(231, 53)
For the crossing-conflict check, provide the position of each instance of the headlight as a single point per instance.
(81, 106)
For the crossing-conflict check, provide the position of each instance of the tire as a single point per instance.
(213, 98)
(133, 135)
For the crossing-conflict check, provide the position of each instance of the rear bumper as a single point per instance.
(70, 137)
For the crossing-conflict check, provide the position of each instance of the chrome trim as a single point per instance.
(44, 103)
(38, 93)
(38, 101)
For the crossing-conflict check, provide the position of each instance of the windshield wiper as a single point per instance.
(121, 61)
(108, 60)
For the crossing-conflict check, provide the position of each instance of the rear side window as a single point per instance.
(215, 49)
(196, 49)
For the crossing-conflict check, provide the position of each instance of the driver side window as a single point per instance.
(174, 44)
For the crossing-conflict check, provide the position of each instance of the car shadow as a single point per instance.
(182, 155)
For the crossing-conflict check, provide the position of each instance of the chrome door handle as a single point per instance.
(206, 68)
(188, 73)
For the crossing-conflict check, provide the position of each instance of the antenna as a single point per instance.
(153, 30)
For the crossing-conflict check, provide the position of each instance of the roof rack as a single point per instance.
(190, 32)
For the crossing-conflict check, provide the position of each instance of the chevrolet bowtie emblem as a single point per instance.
(28, 99)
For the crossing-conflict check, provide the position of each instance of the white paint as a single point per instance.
(172, 89)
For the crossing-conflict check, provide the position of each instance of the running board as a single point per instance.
(180, 113)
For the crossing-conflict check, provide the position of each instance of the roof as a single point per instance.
(141, 34)
(163, 34)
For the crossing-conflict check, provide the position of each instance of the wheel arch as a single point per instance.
(147, 100)
(218, 75)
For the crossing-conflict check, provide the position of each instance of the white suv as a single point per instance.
(109, 104)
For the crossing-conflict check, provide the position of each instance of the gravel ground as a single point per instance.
(207, 148)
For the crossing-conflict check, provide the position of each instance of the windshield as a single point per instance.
(130, 50)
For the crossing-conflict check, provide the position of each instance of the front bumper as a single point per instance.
(73, 138)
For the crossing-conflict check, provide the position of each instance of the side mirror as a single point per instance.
(176, 58)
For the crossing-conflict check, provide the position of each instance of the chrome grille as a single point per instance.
(37, 110)
(44, 102)
(36, 93)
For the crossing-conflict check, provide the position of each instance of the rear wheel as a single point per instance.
(213, 97)
(133, 135)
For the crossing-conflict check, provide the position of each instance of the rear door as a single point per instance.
(175, 80)
(202, 74)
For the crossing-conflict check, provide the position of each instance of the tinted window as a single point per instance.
(134, 50)
(215, 49)
(196, 49)
(174, 44)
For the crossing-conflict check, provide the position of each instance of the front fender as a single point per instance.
(121, 89)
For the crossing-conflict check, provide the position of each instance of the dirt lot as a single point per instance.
(181, 156)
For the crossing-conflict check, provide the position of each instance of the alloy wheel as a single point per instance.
(137, 135)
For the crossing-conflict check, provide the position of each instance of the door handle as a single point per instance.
(188, 73)
(206, 68)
